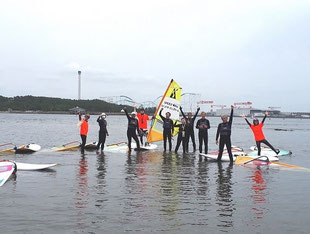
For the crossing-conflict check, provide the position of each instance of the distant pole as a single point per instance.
(79, 94)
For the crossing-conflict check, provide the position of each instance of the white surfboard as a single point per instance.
(266, 151)
(26, 149)
(225, 157)
(6, 170)
(33, 167)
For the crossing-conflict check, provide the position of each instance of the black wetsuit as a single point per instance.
(133, 127)
(182, 137)
(224, 132)
(258, 143)
(168, 130)
(190, 129)
(102, 132)
(203, 133)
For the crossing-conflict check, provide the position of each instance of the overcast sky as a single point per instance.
(226, 50)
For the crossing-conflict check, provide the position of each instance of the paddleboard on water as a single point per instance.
(27, 149)
(6, 170)
(91, 146)
(266, 151)
(33, 167)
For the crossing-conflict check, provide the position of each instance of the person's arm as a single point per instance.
(98, 119)
(218, 133)
(80, 116)
(126, 112)
(198, 109)
(266, 114)
(208, 124)
(160, 114)
(172, 128)
(106, 127)
(182, 113)
(197, 124)
(231, 115)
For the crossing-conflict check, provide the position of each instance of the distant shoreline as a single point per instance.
(121, 114)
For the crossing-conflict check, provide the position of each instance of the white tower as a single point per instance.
(79, 91)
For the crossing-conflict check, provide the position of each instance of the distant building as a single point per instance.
(76, 110)
(246, 111)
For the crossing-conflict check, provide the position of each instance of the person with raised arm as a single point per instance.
(224, 133)
(83, 129)
(257, 129)
(168, 129)
(143, 118)
(203, 125)
(133, 128)
(103, 131)
(190, 121)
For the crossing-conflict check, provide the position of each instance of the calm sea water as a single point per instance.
(151, 191)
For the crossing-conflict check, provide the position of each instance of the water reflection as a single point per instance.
(258, 193)
(82, 190)
(224, 197)
(101, 181)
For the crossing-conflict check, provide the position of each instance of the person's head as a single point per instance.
(203, 115)
(190, 115)
(103, 115)
(133, 114)
(168, 114)
(142, 111)
(224, 118)
(183, 121)
(87, 116)
(255, 122)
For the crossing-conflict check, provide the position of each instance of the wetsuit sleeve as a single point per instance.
(172, 128)
(183, 113)
(248, 122)
(98, 119)
(231, 116)
(197, 124)
(126, 112)
(161, 116)
(196, 115)
(264, 119)
(208, 124)
(80, 117)
(218, 132)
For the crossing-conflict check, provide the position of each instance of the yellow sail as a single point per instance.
(170, 102)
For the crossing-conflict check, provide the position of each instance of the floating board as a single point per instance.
(225, 157)
(123, 147)
(7, 151)
(144, 147)
(91, 146)
(65, 148)
(266, 151)
(27, 149)
(263, 161)
(33, 167)
(6, 170)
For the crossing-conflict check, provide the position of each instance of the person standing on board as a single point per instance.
(83, 130)
(143, 118)
(133, 128)
(103, 131)
(182, 135)
(190, 121)
(224, 132)
(257, 129)
(203, 125)
(168, 129)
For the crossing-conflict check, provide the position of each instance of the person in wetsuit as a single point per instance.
(190, 121)
(168, 129)
(83, 130)
(143, 118)
(182, 135)
(257, 129)
(133, 127)
(224, 132)
(203, 125)
(103, 131)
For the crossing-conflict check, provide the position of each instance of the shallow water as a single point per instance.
(151, 191)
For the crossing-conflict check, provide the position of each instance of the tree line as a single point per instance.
(33, 103)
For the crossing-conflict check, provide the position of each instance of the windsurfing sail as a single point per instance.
(170, 102)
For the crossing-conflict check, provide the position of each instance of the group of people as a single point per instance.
(137, 126)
